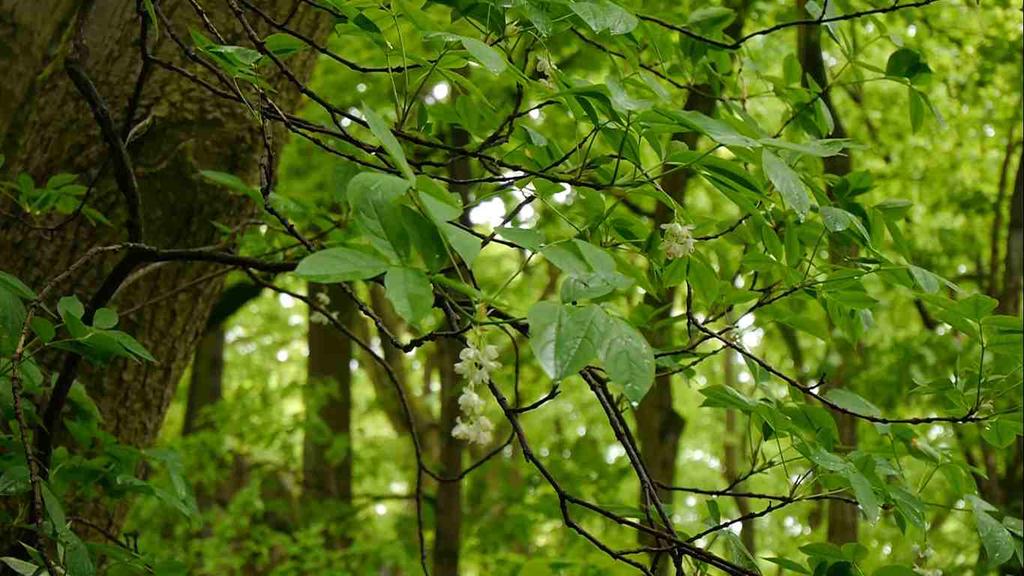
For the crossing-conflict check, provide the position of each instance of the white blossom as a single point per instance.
(323, 299)
(479, 430)
(318, 317)
(475, 365)
(470, 402)
(678, 240)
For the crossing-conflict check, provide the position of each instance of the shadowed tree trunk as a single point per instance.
(327, 445)
(47, 128)
(448, 529)
(842, 516)
(659, 426)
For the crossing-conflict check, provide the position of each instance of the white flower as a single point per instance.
(476, 365)
(317, 317)
(477, 431)
(678, 240)
(323, 299)
(470, 402)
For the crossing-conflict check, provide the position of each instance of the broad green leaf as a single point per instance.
(23, 568)
(410, 292)
(1002, 432)
(837, 220)
(340, 265)
(719, 396)
(564, 338)
(486, 55)
(603, 15)
(104, 318)
(383, 133)
(864, 493)
(525, 237)
(16, 286)
(12, 320)
(627, 357)
(994, 536)
(853, 402)
(283, 45)
(465, 244)
(787, 182)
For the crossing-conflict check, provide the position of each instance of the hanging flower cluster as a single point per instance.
(678, 240)
(475, 365)
(318, 317)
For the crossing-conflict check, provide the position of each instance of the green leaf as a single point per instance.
(719, 396)
(15, 286)
(627, 357)
(23, 568)
(564, 338)
(131, 345)
(1002, 432)
(283, 45)
(837, 220)
(525, 237)
(864, 493)
(853, 402)
(895, 570)
(14, 480)
(383, 133)
(994, 536)
(464, 243)
(486, 55)
(789, 565)
(603, 15)
(104, 318)
(787, 182)
(928, 281)
(411, 293)
(340, 265)
(12, 320)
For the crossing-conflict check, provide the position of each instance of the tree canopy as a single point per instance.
(580, 287)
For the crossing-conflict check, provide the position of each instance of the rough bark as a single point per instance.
(46, 128)
(842, 516)
(448, 529)
(326, 475)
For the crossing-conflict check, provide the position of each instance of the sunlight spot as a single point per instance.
(911, 30)
(380, 509)
(753, 338)
(233, 334)
(691, 501)
(490, 212)
(613, 453)
(739, 282)
(282, 355)
(353, 364)
(285, 300)
(886, 550)
(744, 377)
(534, 114)
(440, 91)
(398, 487)
(581, 431)
(294, 319)
(360, 87)
(869, 27)
(989, 130)
(745, 321)
(544, 452)
(304, 351)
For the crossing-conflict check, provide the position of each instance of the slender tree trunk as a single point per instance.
(447, 532)
(46, 128)
(842, 516)
(734, 443)
(327, 445)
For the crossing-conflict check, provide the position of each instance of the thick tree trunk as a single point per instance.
(326, 474)
(46, 128)
(205, 387)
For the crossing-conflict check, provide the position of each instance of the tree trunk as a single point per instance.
(448, 529)
(205, 387)
(842, 516)
(47, 128)
(326, 474)
(734, 442)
